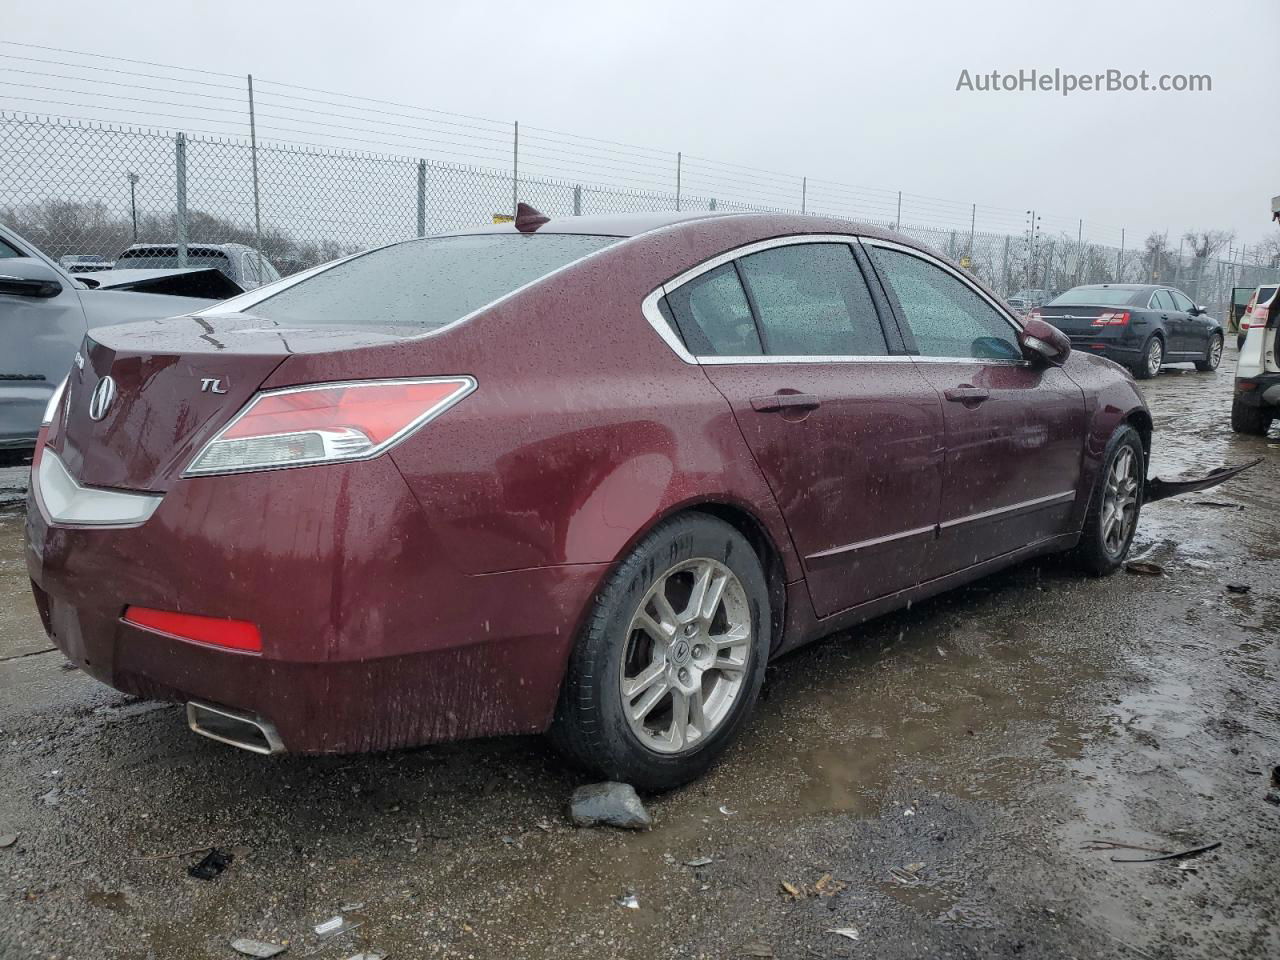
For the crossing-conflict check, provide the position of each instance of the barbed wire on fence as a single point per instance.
(338, 172)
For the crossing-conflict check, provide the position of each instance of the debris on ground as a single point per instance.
(8, 840)
(611, 804)
(849, 933)
(1193, 852)
(52, 798)
(700, 862)
(368, 955)
(213, 863)
(189, 852)
(1272, 796)
(257, 948)
(909, 875)
(1238, 588)
(727, 812)
(1145, 568)
(628, 900)
(334, 926)
(826, 886)
(755, 948)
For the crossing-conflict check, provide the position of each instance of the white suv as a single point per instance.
(1256, 401)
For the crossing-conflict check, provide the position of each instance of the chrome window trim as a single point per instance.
(649, 306)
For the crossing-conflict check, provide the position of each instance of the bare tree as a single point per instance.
(1155, 257)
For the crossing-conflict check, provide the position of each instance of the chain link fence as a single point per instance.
(80, 188)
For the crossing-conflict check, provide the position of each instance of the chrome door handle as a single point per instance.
(785, 401)
(966, 393)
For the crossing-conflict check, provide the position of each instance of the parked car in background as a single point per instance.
(246, 266)
(1256, 401)
(83, 262)
(1142, 326)
(722, 436)
(1033, 296)
(1020, 306)
(44, 313)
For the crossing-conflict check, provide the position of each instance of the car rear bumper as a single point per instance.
(371, 638)
(1126, 354)
(1260, 391)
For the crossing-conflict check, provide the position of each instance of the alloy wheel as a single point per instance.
(688, 652)
(1120, 501)
(1155, 356)
(1215, 352)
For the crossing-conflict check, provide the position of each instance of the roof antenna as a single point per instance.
(529, 219)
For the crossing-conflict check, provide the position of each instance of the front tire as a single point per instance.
(1252, 421)
(1213, 356)
(1114, 505)
(1152, 359)
(671, 659)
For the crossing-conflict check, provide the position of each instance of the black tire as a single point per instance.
(1142, 370)
(1212, 357)
(1253, 421)
(590, 727)
(1092, 553)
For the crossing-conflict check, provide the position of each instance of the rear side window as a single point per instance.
(812, 301)
(425, 283)
(1181, 301)
(946, 317)
(1161, 300)
(713, 315)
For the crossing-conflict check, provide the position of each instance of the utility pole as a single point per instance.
(257, 208)
(897, 224)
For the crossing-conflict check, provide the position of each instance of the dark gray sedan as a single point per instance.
(1139, 325)
(45, 312)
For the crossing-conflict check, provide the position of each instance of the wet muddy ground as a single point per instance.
(932, 785)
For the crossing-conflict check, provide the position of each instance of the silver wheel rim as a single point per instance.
(1155, 356)
(1215, 352)
(688, 649)
(1120, 501)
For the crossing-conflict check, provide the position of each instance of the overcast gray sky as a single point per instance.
(856, 93)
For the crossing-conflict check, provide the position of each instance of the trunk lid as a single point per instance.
(1076, 318)
(176, 382)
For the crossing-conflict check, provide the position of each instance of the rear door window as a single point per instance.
(713, 315)
(812, 301)
(1162, 301)
(424, 283)
(1181, 301)
(946, 316)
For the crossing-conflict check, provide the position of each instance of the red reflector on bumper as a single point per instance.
(234, 634)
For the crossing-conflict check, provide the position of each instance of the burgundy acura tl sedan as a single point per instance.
(584, 475)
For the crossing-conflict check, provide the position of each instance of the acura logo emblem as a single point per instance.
(104, 394)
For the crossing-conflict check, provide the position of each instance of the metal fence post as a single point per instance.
(804, 194)
(897, 224)
(713, 203)
(422, 198)
(515, 169)
(973, 220)
(180, 171)
(1120, 258)
(679, 159)
(1079, 250)
(1004, 269)
(577, 199)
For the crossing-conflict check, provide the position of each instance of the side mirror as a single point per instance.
(1197, 310)
(1044, 344)
(28, 277)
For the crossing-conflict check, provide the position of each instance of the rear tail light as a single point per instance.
(216, 631)
(47, 430)
(326, 423)
(1257, 317)
(1118, 318)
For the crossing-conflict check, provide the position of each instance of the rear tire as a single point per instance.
(655, 691)
(1152, 359)
(1253, 421)
(1115, 504)
(1213, 356)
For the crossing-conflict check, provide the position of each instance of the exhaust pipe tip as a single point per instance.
(234, 728)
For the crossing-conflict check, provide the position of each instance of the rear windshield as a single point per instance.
(168, 260)
(1093, 297)
(425, 283)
